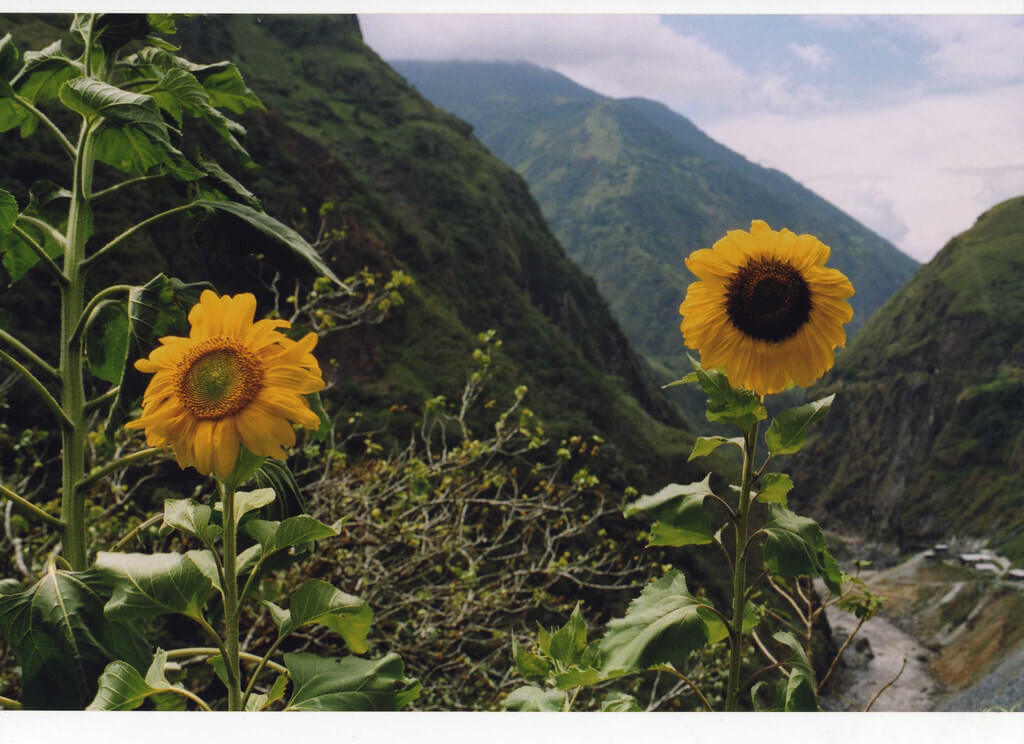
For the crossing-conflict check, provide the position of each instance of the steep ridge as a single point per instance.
(411, 188)
(924, 440)
(631, 188)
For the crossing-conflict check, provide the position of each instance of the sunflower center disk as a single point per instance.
(219, 377)
(768, 299)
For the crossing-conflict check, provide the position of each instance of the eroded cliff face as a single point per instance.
(925, 439)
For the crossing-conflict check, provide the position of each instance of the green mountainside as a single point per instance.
(925, 439)
(411, 189)
(631, 188)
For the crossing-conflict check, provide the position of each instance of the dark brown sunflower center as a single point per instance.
(218, 377)
(768, 299)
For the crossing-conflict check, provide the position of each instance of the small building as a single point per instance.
(941, 549)
(1015, 574)
(969, 559)
(988, 568)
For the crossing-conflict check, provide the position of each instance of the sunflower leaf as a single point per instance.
(788, 431)
(795, 546)
(146, 585)
(318, 603)
(532, 699)
(774, 487)
(106, 341)
(661, 626)
(61, 639)
(350, 683)
(531, 666)
(159, 308)
(706, 445)
(620, 702)
(677, 513)
(192, 518)
(121, 687)
(276, 536)
(8, 211)
(273, 229)
(727, 404)
(800, 694)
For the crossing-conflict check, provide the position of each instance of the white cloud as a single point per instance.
(972, 49)
(616, 55)
(813, 54)
(917, 173)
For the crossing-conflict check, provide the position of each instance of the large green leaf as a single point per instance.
(62, 640)
(146, 585)
(227, 89)
(249, 501)
(274, 229)
(160, 308)
(706, 445)
(106, 342)
(178, 91)
(774, 487)
(317, 602)
(121, 687)
(531, 699)
(44, 72)
(276, 475)
(8, 211)
(9, 58)
(192, 518)
(661, 626)
(788, 430)
(530, 666)
(91, 98)
(570, 641)
(620, 702)
(275, 536)
(795, 546)
(678, 514)
(275, 693)
(801, 689)
(727, 404)
(221, 178)
(349, 684)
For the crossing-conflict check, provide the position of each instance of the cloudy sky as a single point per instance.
(913, 124)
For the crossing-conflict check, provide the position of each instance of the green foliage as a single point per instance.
(531, 699)
(121, 687)
(795, 546)
(62, 643)
(788, 430)
(677, 513)
(661, 626)
(147, 585)
(726, 404)
(317, 602)
(706, 445)
(106, 341)
(798, 693)
(774, 487)
(192, 518)
(348, 684)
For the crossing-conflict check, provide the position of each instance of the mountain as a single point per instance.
(924, 441)
(631, 188)
(410, 188)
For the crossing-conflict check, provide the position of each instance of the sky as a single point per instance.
(912, 124)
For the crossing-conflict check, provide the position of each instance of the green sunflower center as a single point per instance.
(768, 299)
(218, 377)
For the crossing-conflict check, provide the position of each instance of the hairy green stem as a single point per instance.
(124, 184)
(98, 299)
(99, 400)
(73, 390)
(27, 506)
(48, 399)
(243, 655)
(46, 227)
(28, 354)
(41, 255)
(229, 544)
(739, 589)
(120, 462)
(131, 231)
(259, 668)
(45, 121)
(138, 529)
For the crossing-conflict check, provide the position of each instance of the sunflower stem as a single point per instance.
(739, 589)
(231, 604)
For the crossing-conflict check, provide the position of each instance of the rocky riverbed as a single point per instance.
(959, 631)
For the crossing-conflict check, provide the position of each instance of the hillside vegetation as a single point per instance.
(925, 438)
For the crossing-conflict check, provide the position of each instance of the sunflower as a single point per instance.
(232, 382)
(765, 308)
